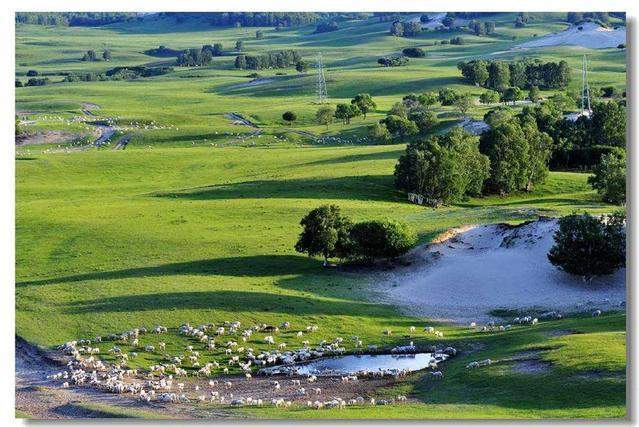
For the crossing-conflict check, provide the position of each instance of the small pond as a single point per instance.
(352, 364)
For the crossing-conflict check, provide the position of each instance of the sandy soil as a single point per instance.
(46, 137)
(464, 277)
(591, 36)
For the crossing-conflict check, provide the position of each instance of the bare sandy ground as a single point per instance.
(474, 270)
(591, 36)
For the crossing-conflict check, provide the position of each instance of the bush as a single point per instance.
(588, 246)
(395, 61)
(379, 132)
(414, 52)
(369, 240)
(289, 116)
(32, 73)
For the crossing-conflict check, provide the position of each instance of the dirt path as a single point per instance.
(123, 142)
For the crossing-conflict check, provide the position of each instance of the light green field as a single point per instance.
(177, 228)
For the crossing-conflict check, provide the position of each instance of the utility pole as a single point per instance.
(321, 82)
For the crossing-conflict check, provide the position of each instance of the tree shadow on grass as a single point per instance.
(251, 266)
(364, 187)
(362, 157)
(225, 300)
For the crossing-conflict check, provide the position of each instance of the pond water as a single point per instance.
(352, 364)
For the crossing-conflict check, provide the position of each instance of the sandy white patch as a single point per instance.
(463, 278)
(591, 36)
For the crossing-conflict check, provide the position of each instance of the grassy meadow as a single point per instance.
(190, 224)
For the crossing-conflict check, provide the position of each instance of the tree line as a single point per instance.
(199, 57)
(73, 19)
(526, 73)
(251, 19)
(278, 59)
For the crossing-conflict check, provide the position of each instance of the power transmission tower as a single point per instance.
(321, 82)
(585, 88)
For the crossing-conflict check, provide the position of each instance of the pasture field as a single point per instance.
(191, 224)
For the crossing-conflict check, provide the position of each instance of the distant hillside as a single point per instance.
(77, 19)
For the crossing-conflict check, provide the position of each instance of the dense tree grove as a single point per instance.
(414, 52)
(251, 19)
(524, 74)
(326, 26)
(162, 52)
(443, 169)
(582, 142)
(364, 102)
(588, 246)
(519, 154)
(345, 112)
(279, 59)
(118, 73)
(482, 28)
(405, 29)
(89, 19)
(393, 61)
(579, 17)
(202, 57)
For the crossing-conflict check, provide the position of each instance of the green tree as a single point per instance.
(463, 103)
(259, 34)
(370, 240)
(345, 112)
(400, 127)
(240, 62)
(325, 233)
(289, 116)
(428, 99)
(608, 123)
(588, 246)
(379, 132)
(364, 102)
(447, 96)
(534, 94)
(512, 94)
(609, 177)
(489, 97)
(424, 119)
(301, 66)
(106, 55)
(325, 115)
(239, 45)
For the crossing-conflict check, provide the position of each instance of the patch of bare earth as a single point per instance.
(46, 137)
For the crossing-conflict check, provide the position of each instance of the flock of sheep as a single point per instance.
(192, 376)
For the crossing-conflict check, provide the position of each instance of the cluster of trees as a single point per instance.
(118, 73)
(512, 156)
(414, 52)
(279, 59)
(405, 29)
(407, 119)
(392, 61)
(251, 19)
(326, 27)
(88, 19)
(589, 246)
(328, 233)
(33, 82)
(579, 17)
(90, 55)
(499, 75)
(522, 19)
(201, 57)
(482, 28)
(443, 169)
(162, 52)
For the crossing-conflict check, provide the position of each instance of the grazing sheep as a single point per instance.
(596, 313)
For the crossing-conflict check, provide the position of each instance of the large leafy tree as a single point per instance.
(345, 112)
(325, 233)
(364, 102)
(588, 246)
(325, 115)
(609, 178)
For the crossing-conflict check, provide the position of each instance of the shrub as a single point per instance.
(370, 240)
(396, 61)
(289, 116)
(588, 246)
(379, 132)
(32, 73)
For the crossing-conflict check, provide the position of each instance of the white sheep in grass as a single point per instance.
(596, 313)
(411, 329)
(429, 329)
(388, 332)
(317, 391)
(149, 348)
(228, 384)
(473, 324)
(299, 334)
(162, 346)
(269, 339)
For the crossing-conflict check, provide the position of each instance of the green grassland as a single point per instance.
(186, 225)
